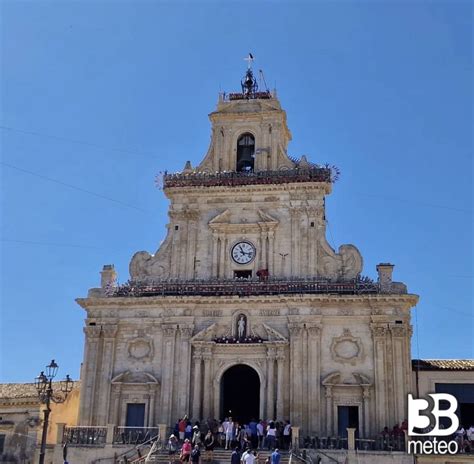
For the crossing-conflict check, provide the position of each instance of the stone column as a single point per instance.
(329, 411)
(314, 378)
(207, 396)
(305, 387)
(151, 407)
(222, 258)
(169, 337)
(271, 355)
(271, 252)
(115, 416)
(197, 400)
(263, 249)
(399, 363)
(366, 432)
(296, 402)
(105, 375)
(215, 253)
(88, 374)
(280, 377)
(184, 381)
(379, 332)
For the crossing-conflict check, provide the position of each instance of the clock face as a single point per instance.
(243, 252)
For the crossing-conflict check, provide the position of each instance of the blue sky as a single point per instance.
(98, 97)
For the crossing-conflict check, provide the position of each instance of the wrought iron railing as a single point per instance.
(230, 179)
(382, 443)
(134, 435)
(85, 436)
(243, 287)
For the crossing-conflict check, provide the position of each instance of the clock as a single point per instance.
(243, 252)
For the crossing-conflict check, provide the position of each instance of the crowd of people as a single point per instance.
(196, 442)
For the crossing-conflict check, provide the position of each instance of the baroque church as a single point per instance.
(246, 310)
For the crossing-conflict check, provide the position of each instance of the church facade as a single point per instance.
(246, 310)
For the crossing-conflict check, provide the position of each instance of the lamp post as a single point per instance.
(44, 385)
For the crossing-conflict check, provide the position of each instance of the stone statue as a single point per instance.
(241, 327)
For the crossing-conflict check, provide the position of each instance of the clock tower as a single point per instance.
(245, 294)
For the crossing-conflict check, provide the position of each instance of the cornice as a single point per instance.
(407, 300)
(324, 187)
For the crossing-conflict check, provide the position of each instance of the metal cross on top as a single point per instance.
(249, 60)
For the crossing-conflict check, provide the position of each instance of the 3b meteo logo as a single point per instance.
(424, 420)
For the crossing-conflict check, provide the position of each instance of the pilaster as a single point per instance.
(379, 335)
(197, 381)
(169, 340)
(89, 370)
(103, 394)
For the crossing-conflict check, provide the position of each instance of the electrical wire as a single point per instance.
(75, 187)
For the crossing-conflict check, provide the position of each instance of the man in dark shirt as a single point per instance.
(195, 455)
(235, 457)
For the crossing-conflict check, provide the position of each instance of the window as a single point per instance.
(242, 274)
(2, 443)
(245, 153)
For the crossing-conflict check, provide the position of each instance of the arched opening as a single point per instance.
(245, 153)
(240, 393)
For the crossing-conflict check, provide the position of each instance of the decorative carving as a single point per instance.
(265, 217)
(109, 331)
(273, 334)
(378, 330)
(346, 264)
(140, 348)
(206, 334)
(212, 312)
(314, 330)
(186, 332)
(92, 331)
(269, 312)
(135, 378)
(398, 331)
(169, 330)
(346, 348)
(295, 329)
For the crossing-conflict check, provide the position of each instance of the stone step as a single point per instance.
(220, 457)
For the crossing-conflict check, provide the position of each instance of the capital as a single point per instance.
(109, 331)
(92, 331)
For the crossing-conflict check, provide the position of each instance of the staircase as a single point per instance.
(221, 456)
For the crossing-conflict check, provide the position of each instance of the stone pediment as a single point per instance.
(135, 378)
(274, 335)
(248, 220)
(205, 335)
(337, 379)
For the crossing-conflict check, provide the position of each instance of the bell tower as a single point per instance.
(249, 131)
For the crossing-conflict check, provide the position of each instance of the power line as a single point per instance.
(430, 205)
(79, 142)
(30, 242)
(75, 187)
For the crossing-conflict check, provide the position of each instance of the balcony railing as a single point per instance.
(85, 436)
(232, 179)
(134, 435)
(244, 287)
(382, 443)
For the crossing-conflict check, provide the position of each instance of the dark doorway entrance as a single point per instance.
(240, 393)
(135, 415)
(347, 416)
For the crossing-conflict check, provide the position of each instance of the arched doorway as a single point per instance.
(240, 393)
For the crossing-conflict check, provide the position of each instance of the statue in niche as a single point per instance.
(241, 327)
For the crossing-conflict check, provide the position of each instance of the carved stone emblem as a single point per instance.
(346, 348)
(140, 348)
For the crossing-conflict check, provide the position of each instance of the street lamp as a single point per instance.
(44, 386)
